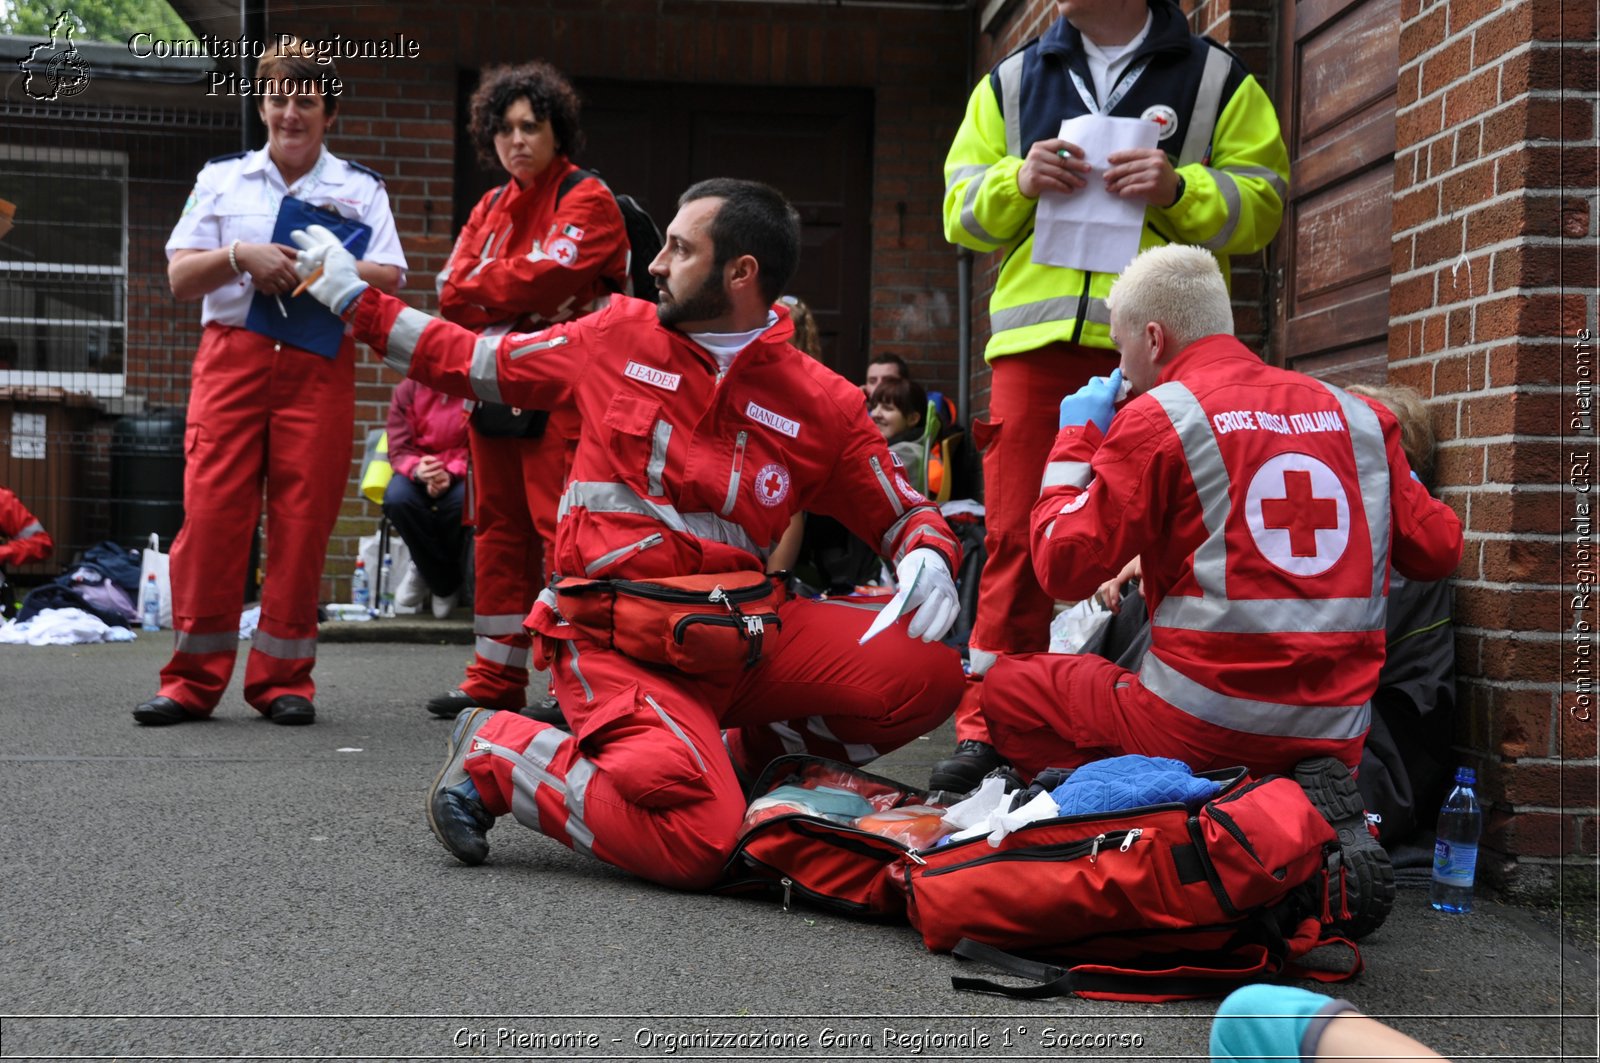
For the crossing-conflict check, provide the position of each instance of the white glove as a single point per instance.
(338, 284)
(925, 586)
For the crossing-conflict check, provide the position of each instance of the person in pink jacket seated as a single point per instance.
(428, 452)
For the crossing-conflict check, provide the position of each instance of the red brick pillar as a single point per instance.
(1493, 301)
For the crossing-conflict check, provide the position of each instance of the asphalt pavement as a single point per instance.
(233, 889)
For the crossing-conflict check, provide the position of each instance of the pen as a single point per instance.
(348, 240)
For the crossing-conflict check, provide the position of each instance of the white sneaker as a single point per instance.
(443, 607)
(412, 589)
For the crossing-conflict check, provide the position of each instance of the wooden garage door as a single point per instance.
(654, 140)
(1337, 102)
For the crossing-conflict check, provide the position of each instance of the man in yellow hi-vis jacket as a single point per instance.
(1217, 179)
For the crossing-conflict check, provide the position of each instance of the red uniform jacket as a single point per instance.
(28, 541)
(425, 422)
(677, 472)
(1266, 507)
(524, 260)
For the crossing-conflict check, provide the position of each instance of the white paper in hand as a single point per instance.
(891, 612)
(1092, 229)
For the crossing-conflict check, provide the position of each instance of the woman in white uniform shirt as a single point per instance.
(262, 411)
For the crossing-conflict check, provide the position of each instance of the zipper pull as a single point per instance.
(1094, 850)
(754, 626)
(717, 594)
(1129, 838)
(788, 886)
(916, 858)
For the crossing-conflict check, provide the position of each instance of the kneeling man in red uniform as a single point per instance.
(703, 432)
(1265, 507)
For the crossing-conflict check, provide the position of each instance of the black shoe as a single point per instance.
(965, 768)
(547, 710)
(161, 712)
(455, 812)
(452, 704)
(291, 710)
(1363, 893)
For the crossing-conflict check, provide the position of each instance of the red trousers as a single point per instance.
(1060, 710)
(516, 488)
(649, 779)
(1025, 392)
(260, 412)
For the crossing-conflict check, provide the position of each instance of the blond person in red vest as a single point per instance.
(1266, 507)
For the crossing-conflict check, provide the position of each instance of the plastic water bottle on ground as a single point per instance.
(360, 590)
(152, 604)
(386, 588)
(1455, 853)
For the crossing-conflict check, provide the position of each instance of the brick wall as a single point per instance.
(1246, 27)
(1493, 277)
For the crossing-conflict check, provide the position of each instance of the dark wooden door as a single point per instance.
(1337, 104)
(654, 140)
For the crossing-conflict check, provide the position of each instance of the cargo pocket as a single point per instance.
(646, 753)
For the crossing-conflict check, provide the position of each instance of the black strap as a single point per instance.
(1054, 981)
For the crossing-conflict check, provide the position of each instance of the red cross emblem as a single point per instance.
(564, 251)
(1298, 512)
(772, 484)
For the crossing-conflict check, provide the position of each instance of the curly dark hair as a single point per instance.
(548, 92)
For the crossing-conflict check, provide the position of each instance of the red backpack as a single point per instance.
(1150, 904)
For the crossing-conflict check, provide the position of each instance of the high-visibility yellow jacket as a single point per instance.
(1218, 127)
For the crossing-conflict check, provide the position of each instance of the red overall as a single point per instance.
(1266, 507)
(260, 412)
(25, 538)
(679, 472)
(524, 259)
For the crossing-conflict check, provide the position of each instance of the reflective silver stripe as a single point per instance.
(1210, 478)
(969, 219)
(1066, 474)
(611, 556)
(404, 336)
(530, 348)
(1207, 107)
(500, 653)
(497, 623)
(1098, 312)
(1372, 471)
(29, 531)
(920, 532)
(1266, 616)
(215, 642)
(1010, 75)
(578, 777)
(588, 691)
(484, 375)
(1230, 201)
(733, 476)
(1025, 315)
(283, 649)
(1252, 717)
(672, 725)
(871, 607)
(855, 752)
(531, 770)
(1265, 173)
(888, 488)
(886, 545)
(658, 456)
(958, 174)
(619, 498)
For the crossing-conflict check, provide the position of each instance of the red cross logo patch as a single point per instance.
(1298, 514)
(1165, 118)
(772, 484)
(564, 251)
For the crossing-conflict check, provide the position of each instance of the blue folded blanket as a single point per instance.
(1131, 782)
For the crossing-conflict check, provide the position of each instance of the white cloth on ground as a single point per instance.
(62, 627)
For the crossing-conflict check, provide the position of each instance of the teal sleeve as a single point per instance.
(1261, 1022)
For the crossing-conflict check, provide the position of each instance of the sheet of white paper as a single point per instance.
(891, 612)
(1091, 229)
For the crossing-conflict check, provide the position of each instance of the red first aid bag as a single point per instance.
(1153, 903)
(708, 622)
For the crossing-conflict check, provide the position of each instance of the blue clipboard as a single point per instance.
(308, 325)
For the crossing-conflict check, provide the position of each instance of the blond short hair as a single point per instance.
(1416, 427)
(1178, 287)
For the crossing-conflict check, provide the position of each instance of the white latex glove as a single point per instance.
(925, 586)
(338, 284)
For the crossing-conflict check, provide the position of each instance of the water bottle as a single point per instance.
(386, 589)
(1455, 853)
(152, 604)
(360, 592)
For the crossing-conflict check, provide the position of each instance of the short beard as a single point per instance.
(708, 301)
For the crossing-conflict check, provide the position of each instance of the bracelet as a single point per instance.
(1182, 184)
(233, 258)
